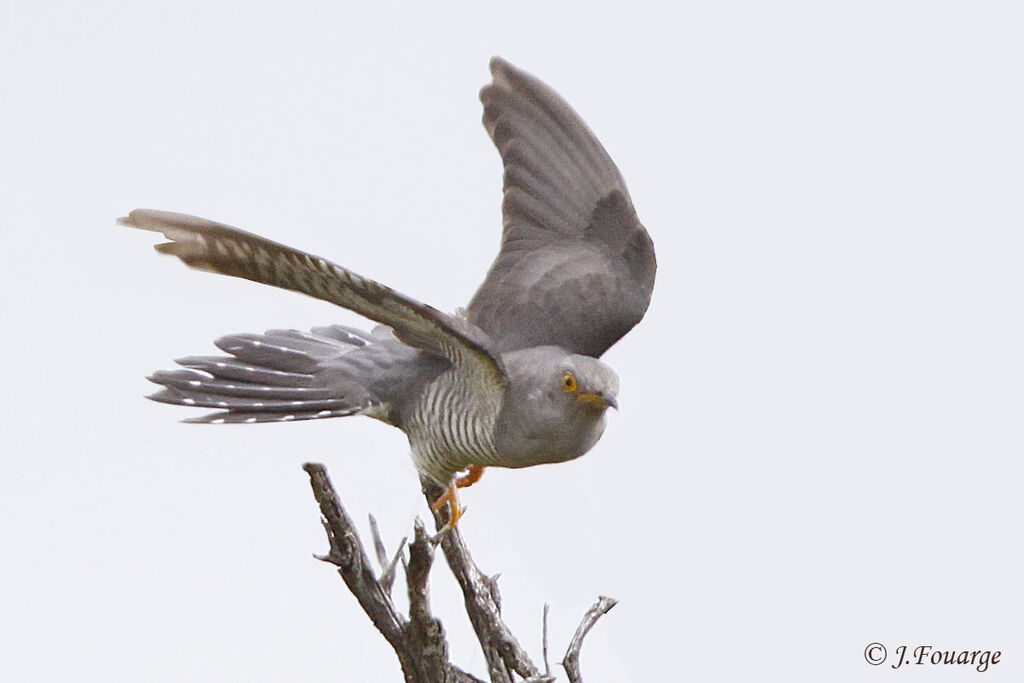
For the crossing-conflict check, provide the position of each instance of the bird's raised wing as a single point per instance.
(219, 248)
(576, 267)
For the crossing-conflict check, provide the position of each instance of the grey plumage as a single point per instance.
(576, 267)
(516, 382)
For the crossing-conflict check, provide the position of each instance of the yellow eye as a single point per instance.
(569, 382)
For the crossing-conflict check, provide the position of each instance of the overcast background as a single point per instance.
(820, 439)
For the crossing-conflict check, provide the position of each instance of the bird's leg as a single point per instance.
(472, 476)
(450, 495)
(452, 499)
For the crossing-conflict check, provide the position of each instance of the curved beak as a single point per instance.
(599, 399)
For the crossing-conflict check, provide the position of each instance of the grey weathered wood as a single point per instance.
(419, 640)
(571, 662)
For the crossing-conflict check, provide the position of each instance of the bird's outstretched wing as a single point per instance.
(219, 248)
(576, 267)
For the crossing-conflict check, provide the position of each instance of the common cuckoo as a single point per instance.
(512, 381)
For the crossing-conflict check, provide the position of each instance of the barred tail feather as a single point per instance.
(279, 376)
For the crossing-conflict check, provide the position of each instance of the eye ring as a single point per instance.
(569, 384)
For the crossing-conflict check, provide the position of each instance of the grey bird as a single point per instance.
(512, 381)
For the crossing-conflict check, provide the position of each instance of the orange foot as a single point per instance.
(450, 495)
(450, 498)
(472, 476)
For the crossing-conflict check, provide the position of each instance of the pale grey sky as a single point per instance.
(820, 439)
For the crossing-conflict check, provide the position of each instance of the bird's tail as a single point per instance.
(278, 376)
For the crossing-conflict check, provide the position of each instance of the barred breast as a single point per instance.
(452, 427)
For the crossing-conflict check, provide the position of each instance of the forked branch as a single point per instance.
(419, 639)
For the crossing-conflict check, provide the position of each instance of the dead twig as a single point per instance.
(387, 577)
(346, 552)
(418, 642)
(482, 600)
(419, 639)
(544, 640)
(571, 662)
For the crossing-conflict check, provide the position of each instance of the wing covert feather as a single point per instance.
(576, 268)
(220, 248)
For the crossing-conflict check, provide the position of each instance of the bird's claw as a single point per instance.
(449, 497)
(472, 476)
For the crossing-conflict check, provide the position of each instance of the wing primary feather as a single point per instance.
(576, 267)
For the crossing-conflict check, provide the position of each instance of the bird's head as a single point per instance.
(569, 382)
(589, 383)
(555, 407)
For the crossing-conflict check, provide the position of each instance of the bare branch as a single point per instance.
(388, 577)
(546, 677)
(424, 628)
(378, 543)
(501, 649)
(572, 656)
(388, 569)
(346, 552)
(544, 641)
(419, 643)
